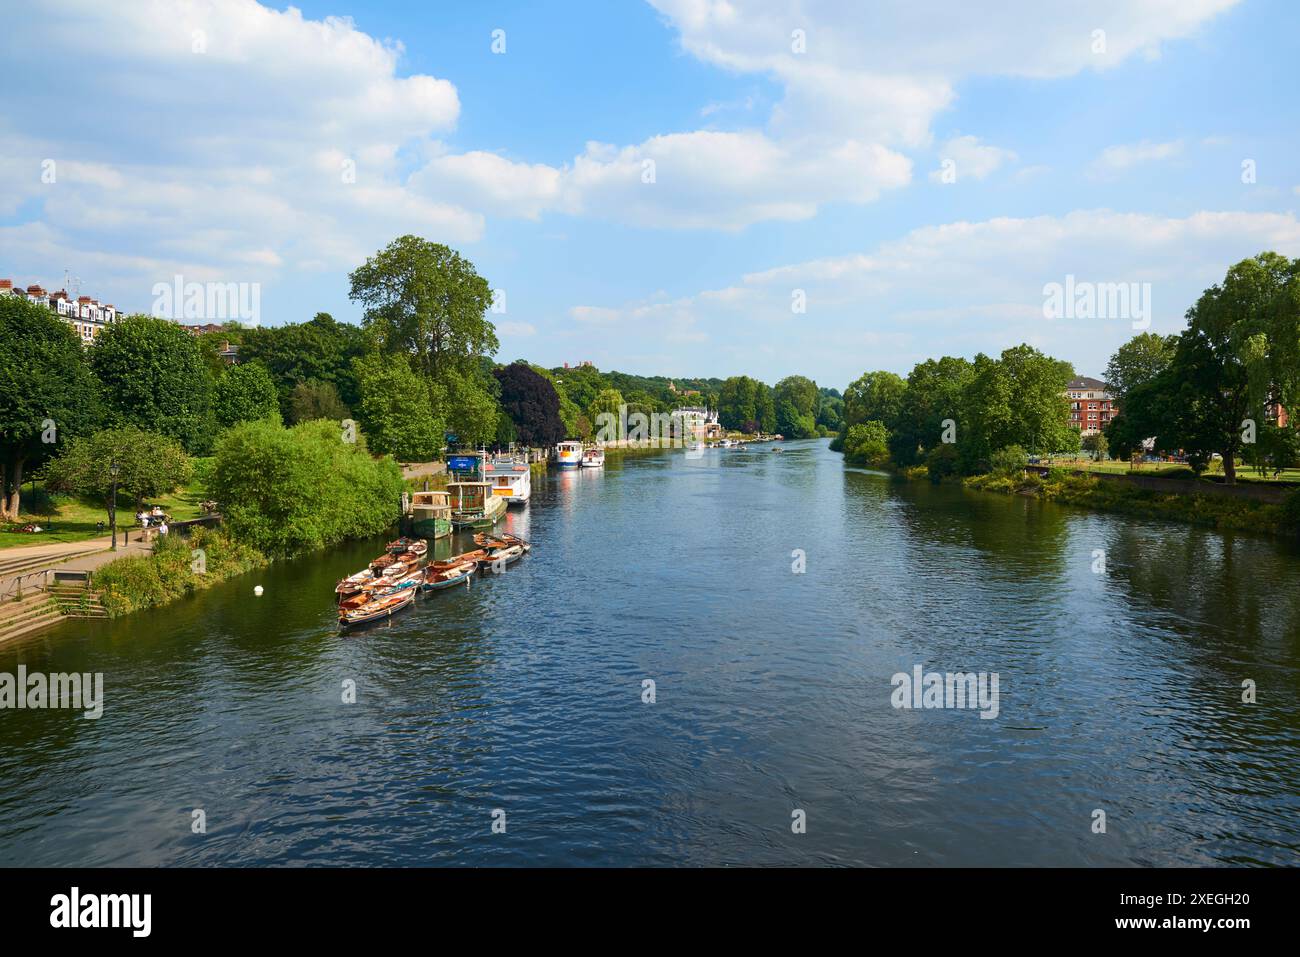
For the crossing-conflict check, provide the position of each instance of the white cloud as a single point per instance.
(962, 287)
(216, 138)
(1116, 158)
(970, 159)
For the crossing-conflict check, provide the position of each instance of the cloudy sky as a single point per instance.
(704, 187)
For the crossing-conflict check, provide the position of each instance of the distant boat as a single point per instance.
(568, 454)
(593, 458)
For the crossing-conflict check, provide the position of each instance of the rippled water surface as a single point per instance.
(1119, 692)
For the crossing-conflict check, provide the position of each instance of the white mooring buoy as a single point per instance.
(257, 590)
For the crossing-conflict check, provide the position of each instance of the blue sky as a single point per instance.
(797, 151)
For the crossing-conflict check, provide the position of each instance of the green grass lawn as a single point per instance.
(75, 519)
(1173, 470)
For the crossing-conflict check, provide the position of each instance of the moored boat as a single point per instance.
(415, 546)
(511, 480)
(593, 458)
(377, 609)
(431, 514)
(501, 556)
(381, 588)
(473, 504)
(436, 578)
(568, 454)
(353, 583)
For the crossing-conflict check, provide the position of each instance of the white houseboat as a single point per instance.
(568, 454)
(511, 480)
(593, 458)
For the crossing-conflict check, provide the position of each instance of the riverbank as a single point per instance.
(176, 568)
(1213, 511)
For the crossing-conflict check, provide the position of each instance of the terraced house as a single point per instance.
(87, 316)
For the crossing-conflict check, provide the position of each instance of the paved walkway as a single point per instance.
(91, 554)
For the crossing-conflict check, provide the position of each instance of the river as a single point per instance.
(1120, 690)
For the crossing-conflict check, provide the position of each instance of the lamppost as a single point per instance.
(113, 469)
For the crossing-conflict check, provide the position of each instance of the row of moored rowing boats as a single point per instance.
(391, 582)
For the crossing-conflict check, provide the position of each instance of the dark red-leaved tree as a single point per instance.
(532, 403)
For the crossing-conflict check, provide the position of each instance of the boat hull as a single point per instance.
(431, 527)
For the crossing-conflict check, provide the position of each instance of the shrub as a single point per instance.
(867, 444)
(942, 462)
(131, 584)
(1008, 462)
(286, 490)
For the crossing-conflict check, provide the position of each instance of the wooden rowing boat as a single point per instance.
(353, 583)
(377, 609)
(435, 578)
(381, 588)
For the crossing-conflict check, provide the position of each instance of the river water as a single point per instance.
(1119, 691)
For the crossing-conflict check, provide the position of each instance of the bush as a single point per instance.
(1009, 462)
(287, 490)
(942, 462)
(867, 444)
(173, 570)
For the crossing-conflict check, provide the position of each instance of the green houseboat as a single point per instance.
(431, 514)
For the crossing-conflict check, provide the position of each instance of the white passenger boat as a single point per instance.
(593, 458)
(568, 454)
(511, 480)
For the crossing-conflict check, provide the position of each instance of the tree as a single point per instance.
(746, 405)
(1017, 399)
(244, 393)
(532, 404)
(795, 398)
(867, 443)
(288, 490)
(149, 465)
(607, 402)
(321, 350)
(313, 400)
(874, 395)
(469, 406)
(1139, 360)
(47, 392)
(396, 411)
(934, 395)
(153, 377)
(1096, 445)
(424, 301)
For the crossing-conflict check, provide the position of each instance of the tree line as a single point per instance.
(1220, 388)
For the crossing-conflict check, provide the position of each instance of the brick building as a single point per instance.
(1091, 406)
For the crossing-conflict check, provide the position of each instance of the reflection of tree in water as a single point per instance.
(1222, 586)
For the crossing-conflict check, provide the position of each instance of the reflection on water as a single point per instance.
(1119, 691)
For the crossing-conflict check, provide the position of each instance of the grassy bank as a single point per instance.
(69, 518)
(1214, 511)
(177, 568)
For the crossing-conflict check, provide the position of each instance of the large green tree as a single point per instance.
(288, 490)
(47, 392)
(795, 398)
(397, 410)
(424, 301)
(148, 465)
(320, 351)
(874, 395)
(1139, 360)
(244, 393)
(746, 405)
(154, 377)
(934, 395)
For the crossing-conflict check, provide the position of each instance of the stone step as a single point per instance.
(37, 618)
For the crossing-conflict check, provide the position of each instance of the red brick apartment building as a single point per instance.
(1091, 406)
